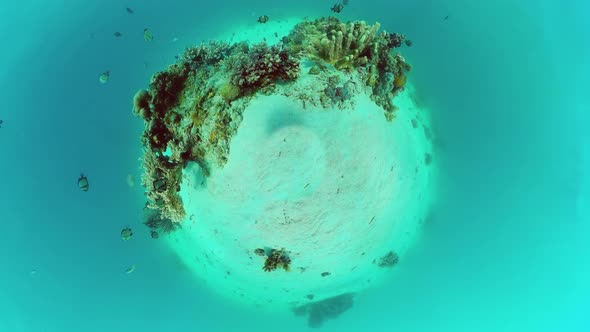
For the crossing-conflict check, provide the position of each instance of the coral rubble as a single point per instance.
(192, 109)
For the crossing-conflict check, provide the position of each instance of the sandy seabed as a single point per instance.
(337, 189)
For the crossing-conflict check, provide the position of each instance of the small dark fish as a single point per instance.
(345, 2)
(325, 274)
(126, 233)
(129, 10)
(263, 19)
(445, 18)
(337, 8)
(408, 42)
(83, 183)
(154, 234)
(117, 34)
(1, 122)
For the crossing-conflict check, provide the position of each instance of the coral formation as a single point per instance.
(229, 92)
(192, 109)
(260, 65)
(277, 258)
(159, 224)
(329, 308)
(356, 46)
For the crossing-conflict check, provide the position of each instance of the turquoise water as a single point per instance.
(505, 249)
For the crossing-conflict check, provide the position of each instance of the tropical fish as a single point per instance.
(263, 19)
(147, 35)
(337, 8)
(104, 77)
(129, 10)
(83, 183)
(130, 269)
(117, 34)
(126, 233)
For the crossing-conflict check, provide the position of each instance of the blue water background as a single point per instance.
(505, 249)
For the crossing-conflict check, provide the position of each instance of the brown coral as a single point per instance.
(261, 66)
(277, 259)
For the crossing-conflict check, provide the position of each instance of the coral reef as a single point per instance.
(229, 92)
(160, 225)
(329, 308)
(162, 181)
(356, 46)
(141, 104)
(260, 66)
(277, 258)
(192, 109)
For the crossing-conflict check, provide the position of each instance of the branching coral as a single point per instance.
(343, 45)
(206, 54)
(356, 46)
(260, 66)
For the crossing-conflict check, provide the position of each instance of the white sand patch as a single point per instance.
(337, 189)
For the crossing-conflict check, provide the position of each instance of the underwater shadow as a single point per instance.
(329, 308)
